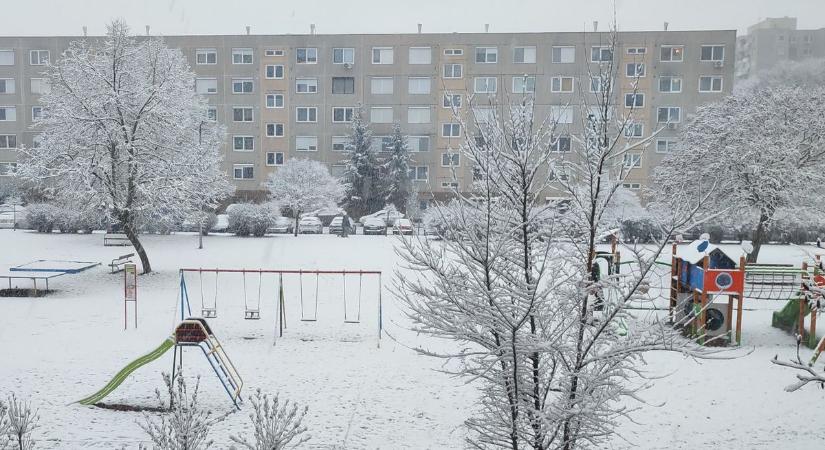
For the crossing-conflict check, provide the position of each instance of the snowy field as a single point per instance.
(57, 349)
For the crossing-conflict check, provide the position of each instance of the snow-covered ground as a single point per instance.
(57, 349)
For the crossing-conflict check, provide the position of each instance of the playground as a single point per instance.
(311, 318)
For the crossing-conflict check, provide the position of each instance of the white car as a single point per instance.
(389, 217)
(310, 224)
(403, 226)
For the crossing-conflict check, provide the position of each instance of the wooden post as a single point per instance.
(739, 321)
(703, 312)
(730, 317)
(674, 284)
(803, 304)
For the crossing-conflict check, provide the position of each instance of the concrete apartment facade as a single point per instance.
(774, 41)
(288, 96)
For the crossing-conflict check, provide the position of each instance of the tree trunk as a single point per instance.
(759, 236)
(132, 234)
(295, 228)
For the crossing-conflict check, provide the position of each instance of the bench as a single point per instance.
(115, 239)
(118, 263)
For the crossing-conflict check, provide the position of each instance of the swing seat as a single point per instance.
(252, 314)
(309, 320)
(351, 321)
(209, 313)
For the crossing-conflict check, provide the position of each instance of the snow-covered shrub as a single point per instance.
(250, 219)
(275, 424)
(17, 423)
(72, 221)
(186, 425)
(42, 217)
(642, 229)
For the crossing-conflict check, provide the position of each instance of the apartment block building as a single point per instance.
(774, 41)
(288, 96)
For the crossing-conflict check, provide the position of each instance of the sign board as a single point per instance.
(130, 282)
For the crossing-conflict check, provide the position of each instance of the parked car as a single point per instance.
(324, 214)
(389, 217)
(310, 224)
(221, 224)
(374, 225)
(335, 225)
(282, 225)
(403, 226)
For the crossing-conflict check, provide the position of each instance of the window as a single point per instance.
(635, 70)
(420, 55)
(523, 85)
(343, 85)
(381, 114)
(636, 50)
(306, 114)
(665, 145)
(561, 84)
(6, 85)
(342, 114)
(563, 55)
(206, 56)
(418, 114)
(242, 85)
(453, 70)
(343, 56)
(452, 101)
(340, 143)
(381, 143)
(672, 53)
(484, 114)
(450, 159)
(601, 54)
(275, 130)
(632, 160)
(599, 84)
(243, 143)
(419, 173)
(7, 168)
(524, 55)
(634, 100)
(8, 113)
(381, 85)
(710, 84)
(668, 114)
(274, 52)
(419, 85)
(486, 55)
(634, 130)
(306, 143)
(453, 51)
(38, 57)
(206, 85)
(212, 114)
(418, 143)
(633, 186)
(274, 158)
(242, 114)
(450, 129)
(712, 53)
(8, 141)
(306, 85)
(6, 57)
(561, 114)
(241, 56)
(243, 171)
(561, 174)
(40, 86)
(275, 71)
(560, 144)
(485, 85)
(382, 55)
(306, 55)
(670, 84)
(274, 100)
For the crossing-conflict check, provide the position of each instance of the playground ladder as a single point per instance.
(223, 367)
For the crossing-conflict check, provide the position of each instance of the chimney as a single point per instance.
(312, 29)
(419, 28)
(147, 30)
(595, 26)
(486, 27)
(666, 24)
(85, 31)
(248, 30)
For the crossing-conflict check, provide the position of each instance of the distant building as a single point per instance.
(774, 41)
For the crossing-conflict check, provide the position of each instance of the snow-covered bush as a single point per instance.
(73, 220)
(644, 230)
(42, 217)
(17, 423)
(275, 424)
(251, 219)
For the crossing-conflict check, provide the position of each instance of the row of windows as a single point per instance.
(247, 171)
(482, 55)
(37, 86)
(415, 144)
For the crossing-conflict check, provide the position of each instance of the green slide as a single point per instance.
(126, 371)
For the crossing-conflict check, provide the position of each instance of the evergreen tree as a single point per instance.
(397, 166)
(362, 174)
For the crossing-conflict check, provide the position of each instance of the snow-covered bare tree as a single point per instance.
(760, 151)
(124, 128)
(186, 425)
(304, 185)
(553, 349)
(397, 168)
(362, 173)
(19, 422)
(276, 425)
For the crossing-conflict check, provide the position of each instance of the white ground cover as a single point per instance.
(57, 349)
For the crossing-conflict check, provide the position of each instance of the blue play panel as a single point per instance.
(52, 265)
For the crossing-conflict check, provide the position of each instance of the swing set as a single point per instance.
(252, 306)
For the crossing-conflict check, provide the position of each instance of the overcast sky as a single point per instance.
(170, 17)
